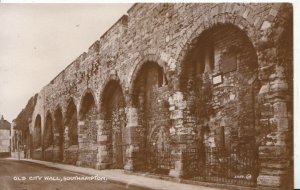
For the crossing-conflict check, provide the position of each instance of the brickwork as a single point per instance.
(177, 77)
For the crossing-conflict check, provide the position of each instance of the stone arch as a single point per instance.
(258, 29)
(70, 144)
(87, 102)
(150, 98)
(221, 19)
(88, 130)
(37, 132)
(112, 78)
(219, 81)
(139, 64)
(142, 70)
(71, 123)
(58, 134)
(203, 37)
(114, 117)
(87, 95)
(157, 140)
(48, 137)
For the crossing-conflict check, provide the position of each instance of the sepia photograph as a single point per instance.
(115, 96)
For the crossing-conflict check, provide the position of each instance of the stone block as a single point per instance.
(280, 109)
(102, 138)
(80, 123)
(278, 85)
(129, 165)
(103, 153)
(266, 24)
(271, 171)
(280, 124)
(264, 123)
(132, 116)
(264, 89)
(178, 171)
(177, 114)
(271, 152)
(269, 180)
(273, 12)
(267, 110)
(172, 64)
(284, 164)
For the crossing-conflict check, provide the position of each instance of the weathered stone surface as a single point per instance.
(144, 94)
(269, 180)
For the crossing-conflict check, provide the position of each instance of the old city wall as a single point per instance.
(165, 34)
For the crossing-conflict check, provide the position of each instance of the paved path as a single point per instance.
(118, 176)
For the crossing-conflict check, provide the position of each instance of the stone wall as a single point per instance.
(191, 75)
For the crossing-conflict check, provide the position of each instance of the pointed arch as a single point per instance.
(58, 134)
(150, 97)
(88, 102)
(71, 122)
(37, 132)
(113, 114)
(140, 64)
(48, 131)
(219, 81)
(143, 76)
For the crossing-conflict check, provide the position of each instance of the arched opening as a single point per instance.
(37, 145)
(150, 97)
(87, 131)
(70, 153)
(113, 109)
(219, 80)
(48, 138)
(71, 123)
(58, 135)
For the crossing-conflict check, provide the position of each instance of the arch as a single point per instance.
(48, 131)
(87, 95)
(219, 81)
(150, 97)
(203, 48)
(114, 116)
(107, 84)
(58, 133)
(37, 132)
(87, 102)
(88, 129)
(140, 63)
(72, 123)
(142, 72)
(215, 20)
(110, 88)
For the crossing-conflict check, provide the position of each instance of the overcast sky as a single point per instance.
(37, 41)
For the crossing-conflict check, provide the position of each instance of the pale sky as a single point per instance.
(37, 41)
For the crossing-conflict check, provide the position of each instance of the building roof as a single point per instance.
(4, 124)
